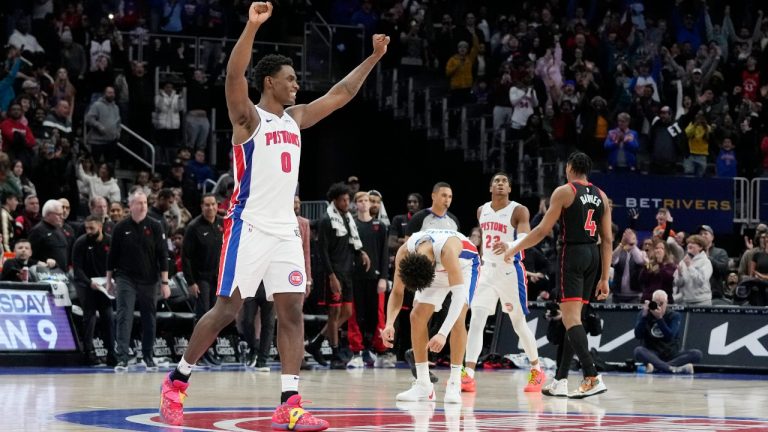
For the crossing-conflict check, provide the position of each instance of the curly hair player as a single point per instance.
(434, 263)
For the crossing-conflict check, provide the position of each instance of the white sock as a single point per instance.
(184, 368)
(470, 372)
(537, 366)
(289, 383)
(527, 340)
(422, 373)
(455, 373)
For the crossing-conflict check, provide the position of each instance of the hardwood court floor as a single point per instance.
(364, 400)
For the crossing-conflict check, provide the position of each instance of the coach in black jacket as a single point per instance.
(89, 260)
(200, 254)
(138, 259)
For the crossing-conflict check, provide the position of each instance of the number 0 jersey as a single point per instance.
(266, 169)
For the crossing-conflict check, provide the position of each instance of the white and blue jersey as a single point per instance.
(501, 280)
(261, 240)
(469, 259)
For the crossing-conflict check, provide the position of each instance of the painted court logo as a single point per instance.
(295, 278)
(409, 416)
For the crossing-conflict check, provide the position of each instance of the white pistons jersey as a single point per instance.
(266, 169)
(497, 227)
(467, 257)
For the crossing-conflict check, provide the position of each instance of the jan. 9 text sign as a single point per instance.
(30, 321)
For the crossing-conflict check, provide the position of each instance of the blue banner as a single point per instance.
(693, 201)
(30, 321)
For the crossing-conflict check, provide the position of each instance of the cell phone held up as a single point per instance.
(652, 305)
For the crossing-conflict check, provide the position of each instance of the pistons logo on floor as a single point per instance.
(296, 278)
(422, 415)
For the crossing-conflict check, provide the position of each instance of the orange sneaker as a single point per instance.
(467, 382)
(172, 395)
(535, 380)
(290, 416)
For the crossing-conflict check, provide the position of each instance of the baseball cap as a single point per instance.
(352, 179)
(706, 228)
(177, 163)
(697, 71)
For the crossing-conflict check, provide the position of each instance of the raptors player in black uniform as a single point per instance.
(584, 215)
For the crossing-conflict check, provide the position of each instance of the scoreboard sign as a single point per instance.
(31, 321)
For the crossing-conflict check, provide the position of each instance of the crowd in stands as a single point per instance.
(641, 86)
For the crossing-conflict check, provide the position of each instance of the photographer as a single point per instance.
(659, 329)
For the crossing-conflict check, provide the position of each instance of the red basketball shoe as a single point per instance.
(535, 380)
(172, 395)
(290, 416)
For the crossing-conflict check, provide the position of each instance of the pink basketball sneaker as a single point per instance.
(290, 416)
(172, 395)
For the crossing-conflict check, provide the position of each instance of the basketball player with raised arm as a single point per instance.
(261, 241)
(501, 221)
(584, 215)
(434, 263)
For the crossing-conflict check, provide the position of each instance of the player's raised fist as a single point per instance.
(259, 12)
(380, 43)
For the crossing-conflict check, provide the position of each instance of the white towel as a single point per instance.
(338, 225)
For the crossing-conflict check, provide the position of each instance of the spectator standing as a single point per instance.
(47, 238)
(199, 104)
(73, 57)
(22, 181)
(167, 121)
(693, 273)
(522, 97)
(665, 143)
(627, 261)
(199, 171)
(622, 144)
(459, 73)
(17, 138)
(29, 216)
(103, 184)
(726, 163)
(103, 119)
(89, 261)
(138, 260)
(719, 259)
(178, 178)
(698, 134)
(7, 222)
(659, 272)
(752, 247)
(659, 329)
(59, 119)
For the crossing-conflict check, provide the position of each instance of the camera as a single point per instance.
(652, 305)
